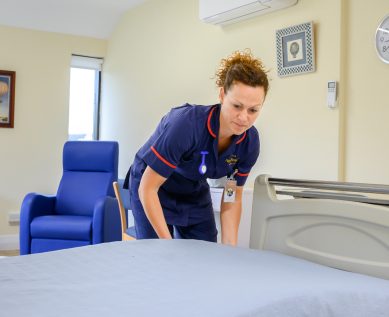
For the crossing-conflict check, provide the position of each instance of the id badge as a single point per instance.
(230, 191)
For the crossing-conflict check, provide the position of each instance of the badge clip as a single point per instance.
(230, 188)
(203, 167)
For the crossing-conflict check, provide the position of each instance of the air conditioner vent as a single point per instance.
(225, 12)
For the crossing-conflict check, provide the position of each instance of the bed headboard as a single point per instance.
(336, 232)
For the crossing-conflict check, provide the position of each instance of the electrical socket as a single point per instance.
(14, 217)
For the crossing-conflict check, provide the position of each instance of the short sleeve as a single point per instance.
(249, 156)
(173, 137)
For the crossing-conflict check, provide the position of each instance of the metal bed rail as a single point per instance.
(332, 190)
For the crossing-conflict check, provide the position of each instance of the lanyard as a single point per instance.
(231, 177)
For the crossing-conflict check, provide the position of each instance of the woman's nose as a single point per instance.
(243, 115)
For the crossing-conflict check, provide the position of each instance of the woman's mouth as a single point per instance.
(240, 126)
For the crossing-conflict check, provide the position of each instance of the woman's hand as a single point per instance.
(230, 218)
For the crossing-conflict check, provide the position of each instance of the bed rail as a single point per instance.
(332, 190)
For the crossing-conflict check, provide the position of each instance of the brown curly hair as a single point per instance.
(241, 66)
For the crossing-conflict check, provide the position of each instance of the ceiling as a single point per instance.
(92, 18)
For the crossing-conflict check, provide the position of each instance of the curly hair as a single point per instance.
(242, 67)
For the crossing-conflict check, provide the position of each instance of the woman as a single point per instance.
(169, 192)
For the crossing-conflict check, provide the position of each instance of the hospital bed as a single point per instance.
(318, 257)
(342, 225)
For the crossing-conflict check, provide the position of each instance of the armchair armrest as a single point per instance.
(33, 205)
(106, 224)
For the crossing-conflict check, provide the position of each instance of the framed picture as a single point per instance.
(295, 50)
(7, 98)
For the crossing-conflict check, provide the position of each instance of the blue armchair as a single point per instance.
(84, 211)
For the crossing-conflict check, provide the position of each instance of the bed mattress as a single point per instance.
(182, 278)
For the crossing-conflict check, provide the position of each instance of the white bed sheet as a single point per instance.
(182, 278)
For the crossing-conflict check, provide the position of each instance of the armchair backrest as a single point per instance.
(89, 168)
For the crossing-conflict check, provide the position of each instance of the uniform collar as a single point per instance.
(213, 124)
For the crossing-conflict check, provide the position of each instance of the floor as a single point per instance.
(9, 252)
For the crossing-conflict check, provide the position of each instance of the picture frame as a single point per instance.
(7, 98)
(295, 50)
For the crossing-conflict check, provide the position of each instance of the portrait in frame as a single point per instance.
(295, 50)
(7, 98)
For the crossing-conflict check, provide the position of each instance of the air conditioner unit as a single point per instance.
(230, 11)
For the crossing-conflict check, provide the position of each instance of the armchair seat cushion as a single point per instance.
(62, 227)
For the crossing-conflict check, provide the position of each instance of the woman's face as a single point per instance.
(241, 105)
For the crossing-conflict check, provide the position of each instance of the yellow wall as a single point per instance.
(31, 152)
(161, 55)
(367, 95)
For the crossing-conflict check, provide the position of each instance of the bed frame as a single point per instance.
(336, 228)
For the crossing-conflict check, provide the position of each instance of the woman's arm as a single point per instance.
(230, 218)
(148, 193)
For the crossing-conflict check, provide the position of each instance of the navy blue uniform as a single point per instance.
(174, 152)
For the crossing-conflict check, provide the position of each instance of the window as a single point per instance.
(84, 100)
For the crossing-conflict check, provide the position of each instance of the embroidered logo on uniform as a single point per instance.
(233, 159)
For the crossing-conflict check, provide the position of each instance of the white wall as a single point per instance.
(31, 152)
(161, 55)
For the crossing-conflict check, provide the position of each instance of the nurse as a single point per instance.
(170, 196)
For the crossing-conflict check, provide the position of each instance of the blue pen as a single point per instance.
(203, 167)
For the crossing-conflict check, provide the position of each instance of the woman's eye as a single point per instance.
(236, 106)
(253, 110)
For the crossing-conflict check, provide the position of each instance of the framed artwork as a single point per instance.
(7, 98)
(295, 50)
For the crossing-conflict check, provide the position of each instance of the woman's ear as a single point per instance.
(221, 95)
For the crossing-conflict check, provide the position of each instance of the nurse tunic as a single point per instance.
(174, 152)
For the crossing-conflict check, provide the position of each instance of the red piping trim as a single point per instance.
(242, 138)
(162, 158)
(209, 123)
(243, 175)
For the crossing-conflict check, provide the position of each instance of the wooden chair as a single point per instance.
(127, 233)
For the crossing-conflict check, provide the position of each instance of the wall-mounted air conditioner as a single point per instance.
(230, 11)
